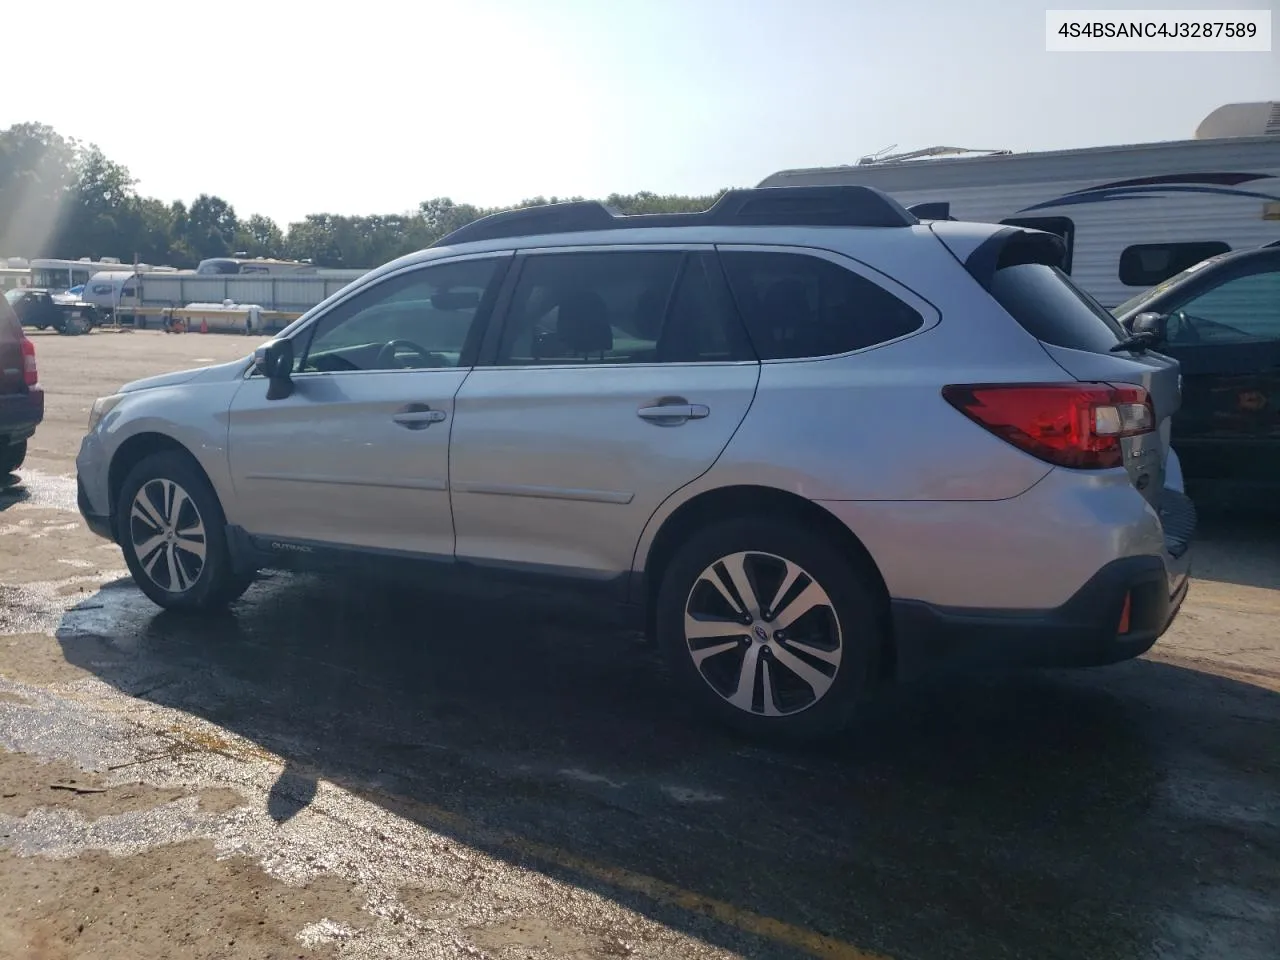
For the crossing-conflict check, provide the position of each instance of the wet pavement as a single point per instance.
(499, 775)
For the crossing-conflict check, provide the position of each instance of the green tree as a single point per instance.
(58, 197)
(259, 236)
(102, 220)
(37, 180)
(211, 227)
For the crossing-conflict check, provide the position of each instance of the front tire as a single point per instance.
(173, 533)
(799, 670)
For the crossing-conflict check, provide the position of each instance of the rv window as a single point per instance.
(1059, 226)
(1147, 264)
(1053, 309)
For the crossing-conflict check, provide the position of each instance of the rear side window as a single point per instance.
(796, 305)
(1146, 264)
(1053, 310)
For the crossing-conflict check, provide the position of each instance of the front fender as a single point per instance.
(193, 415)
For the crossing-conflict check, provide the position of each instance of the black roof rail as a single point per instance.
(845, 205)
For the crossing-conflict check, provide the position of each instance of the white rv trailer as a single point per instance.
(111, 289)
(290, 293)
(50, 273)
(1131, 216)
(11, 277)
(261, 266)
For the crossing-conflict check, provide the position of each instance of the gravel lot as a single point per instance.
(361, 770)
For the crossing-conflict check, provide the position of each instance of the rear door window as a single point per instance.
(1053, 309)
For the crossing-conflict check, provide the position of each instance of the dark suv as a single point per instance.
(21, 398)
(1220, 319)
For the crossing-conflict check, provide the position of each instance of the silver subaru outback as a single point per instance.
(812, 442)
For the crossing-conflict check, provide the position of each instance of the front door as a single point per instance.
(1227, 340)
(358, 455)
(619, 376)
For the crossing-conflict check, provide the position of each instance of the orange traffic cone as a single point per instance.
(204, 325)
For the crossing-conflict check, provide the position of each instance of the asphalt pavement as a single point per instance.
(505, 774)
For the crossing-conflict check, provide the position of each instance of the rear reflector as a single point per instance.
(29, 374)
(1078, 425)
(1125, 613)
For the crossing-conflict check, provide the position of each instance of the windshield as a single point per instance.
(13, 296)
(1131, 305)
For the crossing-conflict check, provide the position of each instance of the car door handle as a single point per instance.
(418, 416)
(672, 412)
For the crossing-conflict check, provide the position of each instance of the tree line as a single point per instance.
(63, 198)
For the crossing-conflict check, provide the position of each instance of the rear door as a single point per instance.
(618, 376)
(1080, 336)
(1226, 336)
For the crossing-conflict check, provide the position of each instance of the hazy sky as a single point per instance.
(287, 108)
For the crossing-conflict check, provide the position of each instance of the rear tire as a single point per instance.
(12, 456)
(172, 531)
(798, 672)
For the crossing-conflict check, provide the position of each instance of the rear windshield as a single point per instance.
(1053, 309)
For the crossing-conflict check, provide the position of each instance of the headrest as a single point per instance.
(583, 324)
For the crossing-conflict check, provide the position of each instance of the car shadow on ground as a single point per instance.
(12, 490)
(1238, 547)
(1039, 815)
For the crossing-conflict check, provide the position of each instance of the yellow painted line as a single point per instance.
(767, 928)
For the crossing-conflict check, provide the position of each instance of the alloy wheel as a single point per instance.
(167, 534)
(763, 634)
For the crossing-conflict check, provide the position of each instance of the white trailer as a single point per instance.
(111, 289)
(284, 294)
(1131, 216)
(50, 273)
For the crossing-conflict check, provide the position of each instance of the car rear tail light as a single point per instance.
(29, 375)
(1078, 425)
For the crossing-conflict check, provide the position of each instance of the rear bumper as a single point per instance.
(20, 414)
(1083, 632)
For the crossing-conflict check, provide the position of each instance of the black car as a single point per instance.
(1220, 319)
(44, 308)
(21, 398)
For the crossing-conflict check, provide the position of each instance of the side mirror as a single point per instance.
(1155, 324)
(275, 362)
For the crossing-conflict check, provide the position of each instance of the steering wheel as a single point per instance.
(389, 355)
(1181, 329)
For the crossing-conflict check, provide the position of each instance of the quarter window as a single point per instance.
(417, 320)
(797, 305)
(619, 308)
(1147, 264)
